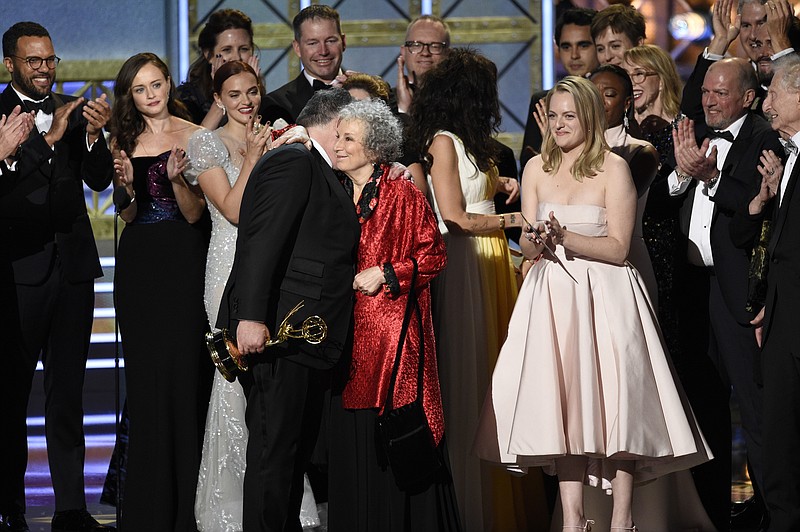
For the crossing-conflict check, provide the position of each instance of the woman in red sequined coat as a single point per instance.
(396, 224)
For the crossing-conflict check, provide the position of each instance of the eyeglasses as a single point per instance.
(640, 75)
(36, 62)
(435, 48)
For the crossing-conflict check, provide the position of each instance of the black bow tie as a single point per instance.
(727, 135)
(320, 85)
(47, 106)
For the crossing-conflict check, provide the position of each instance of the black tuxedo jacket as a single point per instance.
(42, 204)
(298, 238)
(532, 139)
(739, 182)
(292, 97)
(692, 100)
(783, 280)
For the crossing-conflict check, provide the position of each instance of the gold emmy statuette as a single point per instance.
(230, 362)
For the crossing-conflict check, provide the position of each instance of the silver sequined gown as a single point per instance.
(218, 504)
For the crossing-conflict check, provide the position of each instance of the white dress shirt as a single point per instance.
(699, 252)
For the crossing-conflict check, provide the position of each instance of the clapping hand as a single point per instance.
(691, 159)
(771, 170)
(540, 115)
(257, 142)
(97, 113)
(725, 28)
(403, 90)
(779, 21)
(61, 120)
(14, 129)
(177, 163)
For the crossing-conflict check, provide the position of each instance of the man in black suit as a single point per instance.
(776, 324)
(48, 264)
(759, 42)
(298, 238)
(576, 52)
(320, 44)
(715, 179)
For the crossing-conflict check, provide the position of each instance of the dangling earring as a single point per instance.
(625, 123)
(224, 111)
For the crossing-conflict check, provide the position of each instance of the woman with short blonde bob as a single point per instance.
(582, 386)
(656, 84)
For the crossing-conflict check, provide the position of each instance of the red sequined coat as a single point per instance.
(401, 226)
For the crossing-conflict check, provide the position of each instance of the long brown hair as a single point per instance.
(126, 122)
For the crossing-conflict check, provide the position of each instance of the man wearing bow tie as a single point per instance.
(320, 44)
(48, 263)
(776, 324)
(715, 178)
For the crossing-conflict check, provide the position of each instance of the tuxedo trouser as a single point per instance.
(780, 368)
(708, 396)
(53, 319)
(284, 408)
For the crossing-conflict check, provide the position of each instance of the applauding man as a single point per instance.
(48, 264)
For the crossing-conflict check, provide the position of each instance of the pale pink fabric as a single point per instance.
(584, 371)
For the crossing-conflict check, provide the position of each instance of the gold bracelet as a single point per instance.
(502, 221)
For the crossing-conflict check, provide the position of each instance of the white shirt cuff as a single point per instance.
(676, 186)
(710, 56)
(782, 53)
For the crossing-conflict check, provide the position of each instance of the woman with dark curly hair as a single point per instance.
(453, 116)
(159, 278)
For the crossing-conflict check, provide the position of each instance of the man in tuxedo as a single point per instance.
(48, 264)
(763, 35)
(320, 44)
(298, 238)
(576, 51)
(777, 322)
(715, 179)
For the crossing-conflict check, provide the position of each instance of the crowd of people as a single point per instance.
(654, 279)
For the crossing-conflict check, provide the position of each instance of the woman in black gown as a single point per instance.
(159, 285)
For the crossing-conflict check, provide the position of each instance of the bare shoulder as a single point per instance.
(533, 167)
(615, 166)
(182, 130)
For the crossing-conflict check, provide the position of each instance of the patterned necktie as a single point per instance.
(790, 147)
(47, 106)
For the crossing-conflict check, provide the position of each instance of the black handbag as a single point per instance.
(404, 438)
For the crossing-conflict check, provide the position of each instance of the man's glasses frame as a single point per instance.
(36, 62)
(435, 48)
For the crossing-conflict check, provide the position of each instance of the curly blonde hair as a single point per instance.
(589, 108)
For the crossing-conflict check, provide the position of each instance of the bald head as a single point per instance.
(729, 89)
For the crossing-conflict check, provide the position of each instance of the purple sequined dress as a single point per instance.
(160, 273)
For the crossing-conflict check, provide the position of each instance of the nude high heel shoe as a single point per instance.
(586, 527)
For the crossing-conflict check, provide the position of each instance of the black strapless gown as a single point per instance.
(160, 273)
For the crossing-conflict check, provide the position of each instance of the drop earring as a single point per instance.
(224, 111)
(625, 123)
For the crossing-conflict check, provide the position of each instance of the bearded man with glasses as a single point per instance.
(48, 264)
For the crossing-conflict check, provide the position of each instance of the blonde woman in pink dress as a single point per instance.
(582, 386)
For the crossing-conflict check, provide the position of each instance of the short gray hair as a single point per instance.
(323, 107)
(382, 131)
(743, 2)
(789, 66)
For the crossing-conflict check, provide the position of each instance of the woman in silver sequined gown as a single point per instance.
(221, 164)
